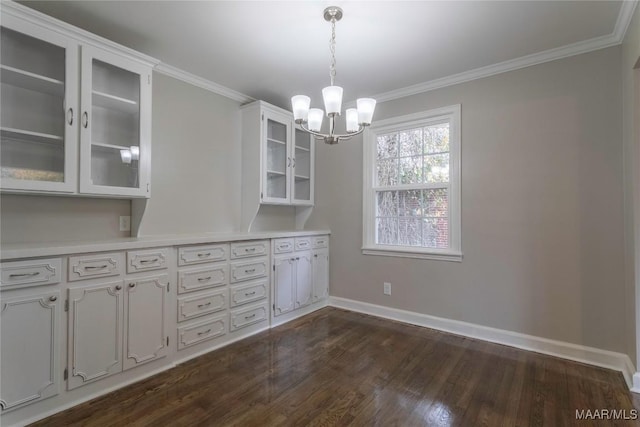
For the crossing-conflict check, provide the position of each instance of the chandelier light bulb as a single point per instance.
(300, 105)
(332, 96)
(315, 119)
(366, 107)
(352, 120)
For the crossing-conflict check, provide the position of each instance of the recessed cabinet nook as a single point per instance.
(81, 319)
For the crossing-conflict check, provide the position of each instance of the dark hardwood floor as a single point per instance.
(335, 367)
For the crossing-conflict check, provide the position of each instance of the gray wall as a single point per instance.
(542, 207)
(631, 137)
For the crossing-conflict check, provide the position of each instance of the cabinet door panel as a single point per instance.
(114, 125)
(303, 163)
(320, 275)
(303, 279)
(276, 167)
(284, 280)
(29, 349)
(145, 330)
(95, 332)
(39, 133)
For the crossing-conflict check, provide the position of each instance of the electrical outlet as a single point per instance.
(387, 288)
(125, 223)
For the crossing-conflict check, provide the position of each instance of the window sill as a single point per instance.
(392, 251)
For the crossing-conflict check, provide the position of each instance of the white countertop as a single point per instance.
(32, 250)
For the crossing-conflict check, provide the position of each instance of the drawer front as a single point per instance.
(202, 278)
(154, 259)
(99, 265)
(249, 249)
(202, 331)
(320, 242)
(190, 307)
(282, 246)
(303, 243)
(248, 293)
(248, 316)
(204, 253)
(20, 274)
(247, 270)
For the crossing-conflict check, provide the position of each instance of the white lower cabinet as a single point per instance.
(29, 350)
(283, 284)
(320, 274)
(304, 290)
(116, 325)
(145, 320)
(95, 332)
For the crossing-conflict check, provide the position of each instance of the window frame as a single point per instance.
(450, 114)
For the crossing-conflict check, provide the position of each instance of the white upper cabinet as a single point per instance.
(39, 134)
(303, 156)
(276, 167)
(115, 143)
(65, 99)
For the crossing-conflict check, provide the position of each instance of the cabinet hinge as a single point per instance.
(263, 117)
(168, 286)
(261, 195)
(274, 307)
(147, 187)
(66, 305)
(274, 267)
(167, 341)
(66, 374)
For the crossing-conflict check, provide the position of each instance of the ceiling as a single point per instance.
(272, 50)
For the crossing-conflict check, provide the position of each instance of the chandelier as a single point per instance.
(357, 118)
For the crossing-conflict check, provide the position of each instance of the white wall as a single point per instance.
(542, 207)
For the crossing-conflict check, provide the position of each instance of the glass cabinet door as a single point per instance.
(38, 122)
(277, 158)
(114, 125)
(303, 163)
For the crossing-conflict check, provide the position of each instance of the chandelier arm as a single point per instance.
(349, 135)
(317, 134)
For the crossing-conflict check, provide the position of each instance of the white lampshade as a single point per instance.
(315, 119)
(366, 107)
(300, 105)
(332, 96)
(135, 152)
(352, 120)
(125, 156)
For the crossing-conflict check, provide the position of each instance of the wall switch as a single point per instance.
(125, 223)
(387, 288)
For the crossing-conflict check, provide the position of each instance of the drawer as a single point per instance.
(99, 265)
(320, 242)
(194, 279)
(247, 270)
(199, 305)
(248, 316)
(303, 243)
(282, 246)
(194, 334)
(21, 274)
(249, 249)
(248, 293)
(204, 253)
(153, 259)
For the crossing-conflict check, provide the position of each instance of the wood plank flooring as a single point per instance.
(338, 368)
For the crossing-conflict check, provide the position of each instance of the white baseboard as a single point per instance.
(592, 356)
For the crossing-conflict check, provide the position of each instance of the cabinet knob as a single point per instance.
(85, 119)
(53, 298)
(132, 285)
(118, 287)
(70, 116)
(297, 258)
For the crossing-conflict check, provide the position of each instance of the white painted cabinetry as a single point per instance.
(320, 274)
(304, 291)
(64, 99)
(29, 347)
(283, 284)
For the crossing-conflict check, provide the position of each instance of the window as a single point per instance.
(411, 197)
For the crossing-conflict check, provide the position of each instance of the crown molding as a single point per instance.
(40, 19)
(202, 83)
(615, 38)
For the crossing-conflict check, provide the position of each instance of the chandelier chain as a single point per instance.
(332, 49)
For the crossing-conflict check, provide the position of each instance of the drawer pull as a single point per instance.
(132, 285)
(147, 261)
(118, 287)
(203, 255)
(53, 298)
(250, 250)
(249, 271)
(204, 279)
(95, 267)
(248, 294)
(204, 332)
(251, 316)
(315, 255)
(204, 305)
(20, 275)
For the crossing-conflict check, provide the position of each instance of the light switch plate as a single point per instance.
(387, 288)
(125, 223)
